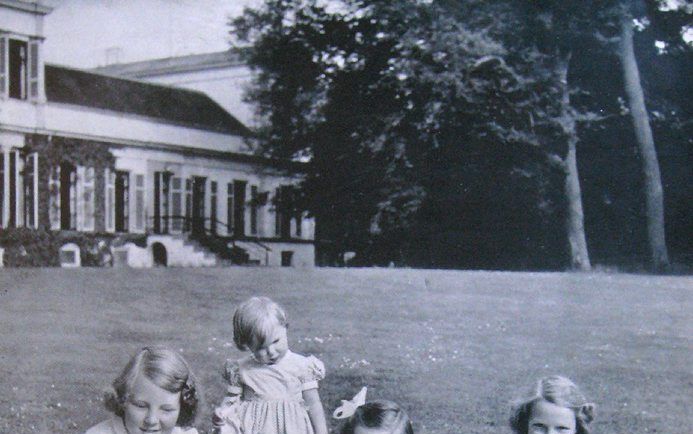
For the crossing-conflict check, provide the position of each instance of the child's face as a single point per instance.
(150, 409)
(273, 348)
(366, 430)
(548, 418)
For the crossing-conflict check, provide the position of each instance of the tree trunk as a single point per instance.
(575, 219)
(654, 201)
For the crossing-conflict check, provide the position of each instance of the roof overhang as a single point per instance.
(27, 6)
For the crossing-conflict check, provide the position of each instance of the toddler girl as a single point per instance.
(273, 390)
(156, 392)
(374, 417)
(556, 406)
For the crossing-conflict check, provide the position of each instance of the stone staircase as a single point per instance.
(182, 251)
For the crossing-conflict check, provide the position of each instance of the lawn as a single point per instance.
(455, 348)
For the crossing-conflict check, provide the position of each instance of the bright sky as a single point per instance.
(85, 33)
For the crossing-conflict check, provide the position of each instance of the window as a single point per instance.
(213, 206)
(253, 209)
(109, 200)
(54, 196)
(31, 190)
(139, 203)
(20, 71)
(162, 184)
(229, 208)
(188, 204)
(283, 205)
(239, 208)
(68, 196)
(176, 205)
(12, 172)
(18, 189)
(87, 197)
(122, 201)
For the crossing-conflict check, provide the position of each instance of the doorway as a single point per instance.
(159, 255)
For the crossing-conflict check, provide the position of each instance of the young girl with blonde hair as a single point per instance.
(273, 390)
(557, 406)
(155, 392)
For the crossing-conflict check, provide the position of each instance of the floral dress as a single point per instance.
(271, 396)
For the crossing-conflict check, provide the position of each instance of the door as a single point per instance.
(239, 208)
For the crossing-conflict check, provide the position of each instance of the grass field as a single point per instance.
(455, 348)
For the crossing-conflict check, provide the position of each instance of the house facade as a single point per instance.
(93, 153)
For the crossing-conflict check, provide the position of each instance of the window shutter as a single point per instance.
(79, 198)
(34, 82)
(176, 205)
(54, 198)
(109, 202)
(4, 65)
(139, 203)
(31, 190)
(88, 198)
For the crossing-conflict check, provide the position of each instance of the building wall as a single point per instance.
(224, 85)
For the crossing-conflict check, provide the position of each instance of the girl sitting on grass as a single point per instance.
(155, 393)
(374, 417)
(556, 407)
(273, 390)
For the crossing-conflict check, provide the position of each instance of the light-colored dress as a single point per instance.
(115, 425)
(271, 396)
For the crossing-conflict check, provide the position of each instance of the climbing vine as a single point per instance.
(56, 151)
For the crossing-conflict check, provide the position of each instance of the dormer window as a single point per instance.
(19, 69)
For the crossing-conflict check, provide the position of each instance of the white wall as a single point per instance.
(224, 85)
(21, 22)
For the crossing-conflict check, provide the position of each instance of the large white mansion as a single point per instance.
(108, 152)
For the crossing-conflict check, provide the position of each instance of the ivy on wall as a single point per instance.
(54, 151)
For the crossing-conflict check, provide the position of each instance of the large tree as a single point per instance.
(370, 93)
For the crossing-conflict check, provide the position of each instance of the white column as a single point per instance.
(36, 190)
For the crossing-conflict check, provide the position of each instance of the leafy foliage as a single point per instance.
(388, 101)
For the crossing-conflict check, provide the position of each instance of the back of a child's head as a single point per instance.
(254, 319)
(557, 390)
(382, 415)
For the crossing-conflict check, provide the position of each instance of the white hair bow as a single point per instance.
(348, 408)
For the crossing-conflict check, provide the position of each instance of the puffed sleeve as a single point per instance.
(232, 376)
(314, 371)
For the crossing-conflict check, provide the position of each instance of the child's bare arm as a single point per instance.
(315, 410)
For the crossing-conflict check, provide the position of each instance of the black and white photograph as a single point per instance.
(346, 216)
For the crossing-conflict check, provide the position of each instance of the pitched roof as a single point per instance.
(183, 107)
(171, 65)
